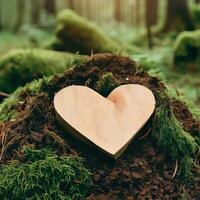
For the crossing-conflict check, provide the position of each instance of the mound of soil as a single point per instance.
(143, 172)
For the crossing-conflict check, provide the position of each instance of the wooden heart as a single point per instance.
(109, 123)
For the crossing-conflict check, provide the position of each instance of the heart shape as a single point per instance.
(109, 123)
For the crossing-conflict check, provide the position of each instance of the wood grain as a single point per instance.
(109, 123)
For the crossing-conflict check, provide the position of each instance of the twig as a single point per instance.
(3, 94)
(79, 182)
(175, 169)
(91, 55)
(2, 141)
(145, 135)
(12, 141)
(197, 158)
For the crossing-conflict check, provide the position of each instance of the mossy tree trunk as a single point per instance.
(178, 16)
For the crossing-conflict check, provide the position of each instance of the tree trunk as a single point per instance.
(78, 6)
(118, 16)
(178, 16)
(89, 10)
(35, 12)
(1, 26)
(151, 11)
(50, 6)
(20, 14)
(137, 11)
(71, 4)
(150, 20)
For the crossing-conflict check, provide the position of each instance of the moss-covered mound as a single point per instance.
(76, 34)
(21, 66)
(187, 51)
(145, 169)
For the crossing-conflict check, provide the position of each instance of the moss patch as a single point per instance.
(44, 175)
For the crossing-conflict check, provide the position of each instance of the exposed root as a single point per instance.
(175, 170)
(145, 135)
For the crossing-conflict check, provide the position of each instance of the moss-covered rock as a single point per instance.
(75, 33)
(187, 51)
(21, 66)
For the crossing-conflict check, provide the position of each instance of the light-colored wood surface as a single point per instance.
(109, 123)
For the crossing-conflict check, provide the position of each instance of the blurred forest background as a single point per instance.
(149, 30)
(28, 16)
(41, 12)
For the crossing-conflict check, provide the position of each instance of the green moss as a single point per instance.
(185, 171)
(187, 50)
(171, 137)
(169, 133)
(44, 175)
(21, 66)
(78, 34)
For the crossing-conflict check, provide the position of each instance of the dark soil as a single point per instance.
(143, 172)
(183, 114)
